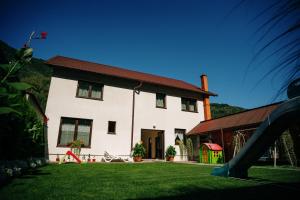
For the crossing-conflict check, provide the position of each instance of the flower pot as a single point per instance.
(170, 158)
(137, 159)
(94, 159)
(89, 160)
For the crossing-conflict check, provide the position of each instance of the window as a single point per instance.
(74, 129)
(89, 90)
(189, 105)
(111, 127)
(179, 136)
(160, 100)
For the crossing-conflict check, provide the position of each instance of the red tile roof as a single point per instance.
(213, 146)
(243, 119)
(72, 63)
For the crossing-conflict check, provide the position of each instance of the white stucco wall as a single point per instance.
(116, 106)
(147, 116)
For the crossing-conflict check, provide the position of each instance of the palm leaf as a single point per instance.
(8, 110)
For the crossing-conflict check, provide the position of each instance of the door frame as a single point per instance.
(162, 142)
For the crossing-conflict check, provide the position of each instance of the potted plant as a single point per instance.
(139, 152)
(76, 146)
(57, 158)
(170, 153)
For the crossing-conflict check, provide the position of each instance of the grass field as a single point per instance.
(148, 181)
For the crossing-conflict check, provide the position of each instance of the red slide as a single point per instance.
(74, 156)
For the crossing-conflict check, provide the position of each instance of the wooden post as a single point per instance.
(223, 145)
(274, 156)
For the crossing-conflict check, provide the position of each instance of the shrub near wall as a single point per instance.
(21, 138)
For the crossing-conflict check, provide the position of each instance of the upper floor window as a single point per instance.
(89, 90)
(72, 129)
(160, 100)
(189, 104)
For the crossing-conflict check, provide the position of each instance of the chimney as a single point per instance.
(206, 104)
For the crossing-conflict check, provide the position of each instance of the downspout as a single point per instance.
(135, 90)
(45, 137)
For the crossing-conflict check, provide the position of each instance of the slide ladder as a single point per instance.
(70, 153)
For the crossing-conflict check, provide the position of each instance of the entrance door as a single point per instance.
(204, 154)
(149, 149)
(159, 141)
(153, 141)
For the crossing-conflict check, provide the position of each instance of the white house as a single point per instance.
(111, 109)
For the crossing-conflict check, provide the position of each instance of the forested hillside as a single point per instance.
(220, 110)
(36, 73)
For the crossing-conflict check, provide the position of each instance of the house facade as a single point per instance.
(110, 109)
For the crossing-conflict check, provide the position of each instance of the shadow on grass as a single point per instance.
(261, 191)
(28, 174)
(33, 174)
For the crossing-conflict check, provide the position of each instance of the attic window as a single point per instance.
(160, 100)
(188, 104)
(89, 90)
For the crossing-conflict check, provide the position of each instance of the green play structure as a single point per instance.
(210, 153)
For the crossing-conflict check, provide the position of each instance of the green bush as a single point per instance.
(139, 150)
(21, 134)
(171, 152)
(190, 148)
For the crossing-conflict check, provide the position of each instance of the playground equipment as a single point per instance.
(70, 153)
(210, 153)
(286, 115)
(238, 142)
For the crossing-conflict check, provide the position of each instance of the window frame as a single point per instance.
(184, 135)
(75, 131)
(91, 84)
(188, 100)
(115, 127)
(165, 100)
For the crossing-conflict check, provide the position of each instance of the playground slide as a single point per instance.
(268, 132)
(71, 154)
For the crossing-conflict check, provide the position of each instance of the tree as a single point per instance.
(21, 130)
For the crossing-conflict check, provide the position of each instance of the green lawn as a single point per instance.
(148, 181)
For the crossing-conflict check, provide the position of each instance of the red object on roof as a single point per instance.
(123, 73)
(213, 146)
(243, 119)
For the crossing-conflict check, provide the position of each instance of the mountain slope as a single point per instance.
(220, 110)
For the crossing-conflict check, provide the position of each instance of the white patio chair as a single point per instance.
(111, 158)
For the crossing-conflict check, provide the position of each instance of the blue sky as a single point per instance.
(180, 39)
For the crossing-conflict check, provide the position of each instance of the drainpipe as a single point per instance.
(135, 90)
(206, 104)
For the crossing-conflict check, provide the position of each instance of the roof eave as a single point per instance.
(197, 90)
